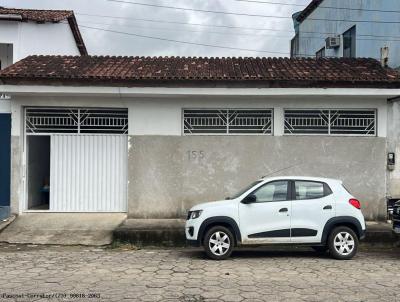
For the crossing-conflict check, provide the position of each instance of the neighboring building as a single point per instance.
(25, 32)
(153, 136)
(329, 28)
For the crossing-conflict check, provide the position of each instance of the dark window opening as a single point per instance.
(349, 43)
(320, 53)
(294, 46)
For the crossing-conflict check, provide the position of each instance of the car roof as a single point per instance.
(310, 178)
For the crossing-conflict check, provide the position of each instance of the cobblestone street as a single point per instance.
(92, 274)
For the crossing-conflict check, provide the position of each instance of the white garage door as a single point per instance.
(88, 173)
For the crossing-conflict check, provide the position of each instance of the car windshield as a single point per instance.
(245, 189)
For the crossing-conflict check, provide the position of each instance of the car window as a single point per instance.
(245, 189)
(309, 190)
(272, 191)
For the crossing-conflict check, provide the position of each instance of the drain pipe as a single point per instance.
(10, 17)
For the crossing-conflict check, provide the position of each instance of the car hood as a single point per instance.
(212, 204)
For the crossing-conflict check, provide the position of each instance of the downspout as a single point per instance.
(11, 17)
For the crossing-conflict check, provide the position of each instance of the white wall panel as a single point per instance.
(88, 173)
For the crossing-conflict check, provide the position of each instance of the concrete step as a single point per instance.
(151, 232)
(380, 233)
(170, 232)
(62, 228)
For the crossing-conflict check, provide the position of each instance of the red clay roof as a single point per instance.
(42, 16)
(308, 10)
(209, 72)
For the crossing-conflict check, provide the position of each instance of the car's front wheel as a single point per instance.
(343, 243)
(218, 243)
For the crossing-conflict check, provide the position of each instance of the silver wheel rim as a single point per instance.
(344, 243)
(219, 243)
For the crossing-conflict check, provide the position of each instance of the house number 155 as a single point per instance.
(193, 155)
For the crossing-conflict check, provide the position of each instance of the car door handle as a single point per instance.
(328, 207)
(283, 210)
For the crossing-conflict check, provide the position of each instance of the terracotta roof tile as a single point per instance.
(148, 71)
(38, 15)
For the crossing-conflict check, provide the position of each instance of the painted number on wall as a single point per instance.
(195, 154)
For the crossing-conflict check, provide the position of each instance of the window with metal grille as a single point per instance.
(227, 121)
(331, 121)
(76, 120)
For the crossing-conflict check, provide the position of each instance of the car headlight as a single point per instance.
(195, 214)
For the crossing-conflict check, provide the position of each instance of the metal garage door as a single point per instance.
(88, 173)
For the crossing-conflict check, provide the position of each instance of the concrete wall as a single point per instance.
(367, 46)
(164, 116)
(165, 180)
(17, 188)
(30, 38)
(393, 145)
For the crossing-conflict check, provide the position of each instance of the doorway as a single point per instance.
(38, 147)
(76, 159)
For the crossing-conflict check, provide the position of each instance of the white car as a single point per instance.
(318, 212)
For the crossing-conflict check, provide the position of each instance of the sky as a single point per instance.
(266, 43)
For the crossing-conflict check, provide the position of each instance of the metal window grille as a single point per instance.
(331, 122)
(227, 121)
(76, 120)
(4, 96)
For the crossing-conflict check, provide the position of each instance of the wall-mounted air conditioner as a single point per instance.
(332, 42)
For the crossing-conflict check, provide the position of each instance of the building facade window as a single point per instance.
(6, 55)
(349, 43)
(227, 121)
(357, 122)
(76, 120)
(294, 46)
(320, 53)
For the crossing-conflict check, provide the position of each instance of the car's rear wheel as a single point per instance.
(218, 243)
(343, 243)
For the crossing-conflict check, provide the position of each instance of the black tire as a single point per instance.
(320, 248)
(348, 246)
(221, 251)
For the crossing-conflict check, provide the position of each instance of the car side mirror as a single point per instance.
(249, 199)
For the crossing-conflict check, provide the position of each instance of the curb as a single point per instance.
(170, 233)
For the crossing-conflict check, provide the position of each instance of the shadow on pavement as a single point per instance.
(251, 253)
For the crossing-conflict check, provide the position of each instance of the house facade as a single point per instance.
(343, 28)
(25, 32)
(154, 136)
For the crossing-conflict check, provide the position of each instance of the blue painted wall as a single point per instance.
(314, 32)
(5, 156)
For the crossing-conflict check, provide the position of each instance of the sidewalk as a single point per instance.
(62, 228)
(170, 232)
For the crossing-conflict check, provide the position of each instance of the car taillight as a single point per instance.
(355, 203)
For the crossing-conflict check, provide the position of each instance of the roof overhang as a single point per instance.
(122, 92)
(308, 10)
